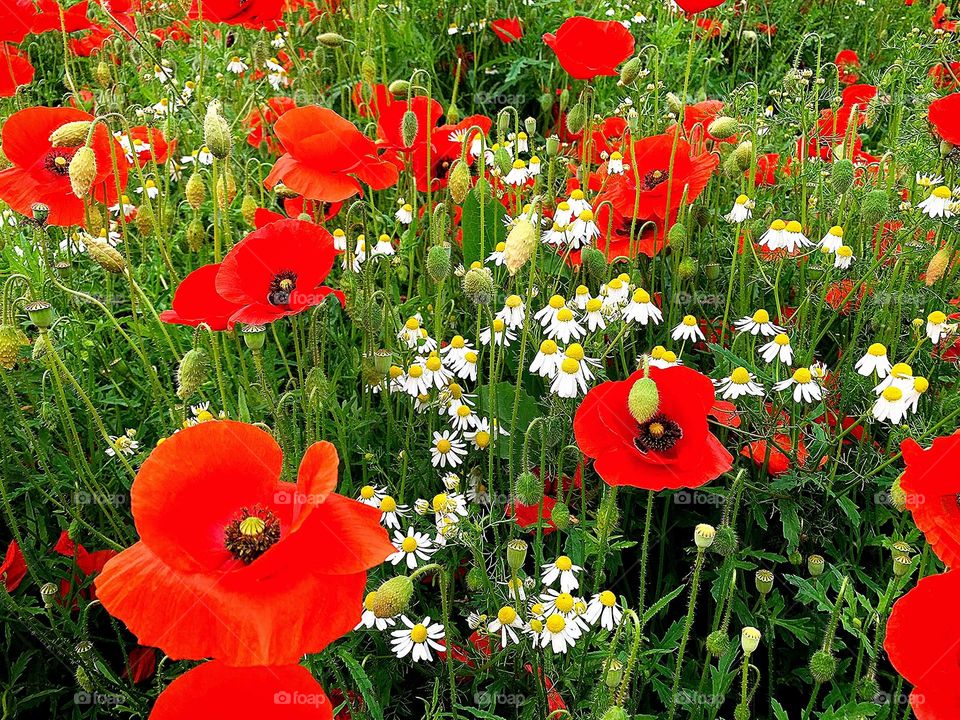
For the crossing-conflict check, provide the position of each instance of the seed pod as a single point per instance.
(12, 339)
(48, 591)
(71, 134)
(841, 175)
(254, 336)
(674, 104)
(530, 125)
(630, 71)
(722, 127)
(704, 535)
(82, 171)
(576, 118)
(105, 255)
(815, 565)
(520, 245)
(216, 132)
(749, 640)
(438, 262)
(937, 266)
(248, 209)
(196, 234)
(41, 313)
(517, 552)
(331, 39)
(763, 579)
(459, 181)
(195, 191)
(409, 126)
(553, 146)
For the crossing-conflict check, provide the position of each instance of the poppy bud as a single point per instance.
(453, 114)
(41, 313)
(399, 87)
(867, 688)
(726, 542)
(594, 262)
(226, 189)
(502, 160)
(408, 128)
(687, 268)
(196, 234)
(874, 208)
(438, 262)
(516, 554)
(102, 74)
(674, 104)
(742, 156)
(704, 535)
(749, 640)
(459, 181)
(259, 53)
(576, 118)
(478, 285)
(254, 336)
(83, 680)
(937, 266)
(823, 666)
(741, 712)
(560, 516)
(70, 134)
(718, 642)
(643, 399)
(145, 219)
(476, 578)
(331, 39)
(520, 245)
(195, 191)
(677, 236)
(11, 340)
(529, 489)
(815, 565)
(723, 127)
(763, 580)
(48, 591)
(192, 372)
(630, 71)
(368, 69)
(82, 171)
(393, 597)
(607, 518)
(216, 132)
(945, 148)
(841, 175)
(553, 146)
(546, 102)
(248, 209)
(106, 256)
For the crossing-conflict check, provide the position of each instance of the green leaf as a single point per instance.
(778, 711)
(364, 685)
(481, 203)
(791, 522)
(661, 603)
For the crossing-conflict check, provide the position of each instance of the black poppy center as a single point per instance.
(659, 433)
(58, 160)
(282, 285)
(654, 178)
(251, 533)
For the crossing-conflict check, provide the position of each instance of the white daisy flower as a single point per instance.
(559, 634)
(496, 257)
(641, 309)
(939, 203)
(688, 329)
(506, 625)
(758, 324)
(371, 495)
(150, 188)
(483, 430)
(777, 349)
(514, 312)
(564, 570)
(604, 607)
(404, 214)
(417, 640)
(548, 359)
(447, 449)
(123, 444)
(391, 512)
(661, 358)
(518, 173)
(412, 548)
(793, 237)
(594, 315)
(617, 291)
(805, 388)
(742, 210)
(384, 246)
(466, 369)
(573, 373)
(237, 66)
(410, 332)
(578, 203)
(740, 382)
(937, 326)
(874, 361)
(581, 297)
(615, 163)
(843, 258)
(832, 240)
(369, 619)
(547, 315)
(772, 239)
(499, 333)
(891, 406)
(565, 327)
(583, 231)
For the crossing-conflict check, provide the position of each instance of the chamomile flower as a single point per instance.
(237, 66)
(758, 324)
(561, 602)
(447, 449)
(688, 329)
(496, 257)
(641, 309)
(843, 258)
(832, 240)
(448, 508)
(617, 291)
(939, 203)
(578, 202)
(594, 315)
(482, 432)
(928, 181)
(149, 188)
(548, 359)
(559, 633)
(391, 512)
(565, 327)
(417, 640)
(937, 326)
(740, 382)
(793, 237)
(435, 374)
(125, 206)
(891, 406)
(369, 619)
(874, 361)
(516, 589)
(573, 373)
(412, 548)
(518, 173)
(416, 382)
(463, 418)
(604, 607)
(371, 495)
(534, 166)
(410, 332)
(583, 230)
(563, 570)
(506, 625)
(404, 214)
(123, 444)
(498, 333)
(477, 490)
(662, 358)
(202, 156)
(466, 368)
(163, 72)
(384, 246)
(772, 239)
(805, 388)
(454, 351)
(777, 349)
(546, 315)
(742, 210)
(615, 163)
(901, 376)
(581, 297)
(513, 312)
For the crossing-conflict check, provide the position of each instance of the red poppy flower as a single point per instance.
(14, 567)
(507, 29)
(697, 119)
(940, 21)
(766, 173)
(260, 120)
(931, 483)
(87, 563)
(141, 664)
(587, 48)
(39, 172)
(216, 691)
(370, 100)
(777, 458)
(254, 14)
(149, 143)
(196, 301)
(923, 644)
(858, 95)
(19, 18)
(696, 6)
(945, 75)
(229, 555)
(326, 157)
(848, 66)
(530, 516)
(673, 449)
(277, 271)
(447, 144)
(944, 115)
(15, 70)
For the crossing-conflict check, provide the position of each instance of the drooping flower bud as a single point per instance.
(718, 642)
(841, 175)
(331, 39)
(82, 171)
(529, 488)
(723, 127)
(560, 516)
(459, 181)
(196, 234)
(216, 131)
(192, 372)
(630, 71)
(393, 597)
(70, 134)
(248, 209)
(478, 285)
(520, 245)
(594, 262)
(409, 125)
(368, 69)
(742, 155)
(105, 255)
(195, 190)
(576, 118)
(823, 666)
(643, 399)
(438, 262)
(11, 340)
(399, 87)
(874, 208)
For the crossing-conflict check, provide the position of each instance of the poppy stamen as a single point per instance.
(654, 178)
(251, 533)
(282, 285)
(57, 160)
(659, 433)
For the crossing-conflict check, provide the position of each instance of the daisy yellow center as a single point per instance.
(641, 296)
(575, 351)
(433, 364)
(407, 207)
(921, 384)
(556, 624)
(802, 375)
(440, 502)
(413, 324)
(742, 199)
(367, 492)
(498, 325)
(470, 357)
(514, 301)
(564, 563)
(548, 347)
(570, 366)
(936, 318)
(901, 370)
(557, 302)
(395, 371)
(563, 206)
(836, 231)
(608, 599)
(942, 192)
(388, 504)
(409, 544)
(443, 446)
(615, 155)
(689, 320)
(482, 438)
(582, 290)
(564, 602)
(761, 317)
(507, 615)
(594, 304)
(782, 340)
(457, 342)
(615, 284)
(577, 195)
(669, 356)
(537, 608)
(845, 251)
(519, 164)
(892, 394)
(463, 411)
(587, 216)
(877, 350)
(794, 227)
(501, 246)
(657, 352)
(418, 633)
(369, 600)
(565, 315)
(777, 225)
(456, 392)
(416, 371)
(536, 625)
(740, 376)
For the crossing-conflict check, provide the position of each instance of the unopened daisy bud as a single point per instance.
(196, 234)
(48, 591)
(82, 171)
(254, 336)
(459, 181)
(763, 579)
(478, 285)
(71, 134)
(393, 597)
(643, 400)
(815, 565)
(553, 146)
(520, 245)
(529, 488)
(106, 256)
(516, 554)
(901, 566)
(841, 175)
(41, 313)
(674, 104)
(723, 127)
(409, 125)
(630, 71)
(248, 209)
(937, 266)
(399, 87)
(594, 262)
(195, 191)
(11, 340)
(874, 208)
(823, 666)
(192, 372)
(576, 118)
(560, 516)
(438, 262)
(83, 679)
(703, 535)
(718, 642)
(331, 39)
(614, 674)
(749, 640)
(101, 73)
(216, 132)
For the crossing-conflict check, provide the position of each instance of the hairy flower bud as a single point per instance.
(105, 255)
(216, 131)
(529, 489)
(723, 127)
(248, 209)
(875, 207)
(196, 234)
(82, 171)
(643, 399)
(560, 516)
(331, 39)
(459, 181)
(438, 262)
(841, 175)
(718, 642)
(11, 340)
(478, 285)
(192, 372)
(520, 245)
(409, 125)
(742, 156)
(399, 87)
(576, 118)
(195, 190)
(393, 597)
(630, 71)
(823, 666)
(71, 134)
(594, 262)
